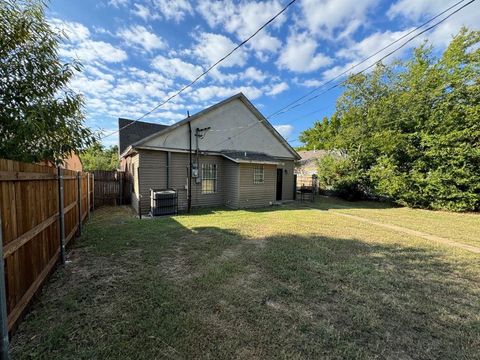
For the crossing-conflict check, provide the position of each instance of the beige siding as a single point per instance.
(235, 187)
(215, 199)
(153, 175)
(133, 165)
(256, 195)
(288, 179)
(231, 183)
(179, 167)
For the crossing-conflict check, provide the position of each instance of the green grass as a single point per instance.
(293, 282)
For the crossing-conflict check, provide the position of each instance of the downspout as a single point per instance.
(190, 169)
(169, 162)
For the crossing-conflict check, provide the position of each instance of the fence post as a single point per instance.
(93, 192)
(61, 214)
(120, 186)
(79, 201)
(88, 195)
(4, 345)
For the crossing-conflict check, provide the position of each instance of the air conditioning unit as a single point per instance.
(163, 202)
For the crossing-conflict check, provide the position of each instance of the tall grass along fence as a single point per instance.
(42, 209)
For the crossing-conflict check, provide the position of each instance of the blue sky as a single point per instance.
(138, 52)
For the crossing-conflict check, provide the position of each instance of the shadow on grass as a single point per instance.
(155, 289)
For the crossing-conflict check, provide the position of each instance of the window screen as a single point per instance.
(209, 178)
(258, 174)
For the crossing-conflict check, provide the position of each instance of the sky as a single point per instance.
(136, 53)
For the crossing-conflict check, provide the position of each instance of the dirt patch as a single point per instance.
(175, 266)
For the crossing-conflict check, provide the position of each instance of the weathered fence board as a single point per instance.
(30, 225)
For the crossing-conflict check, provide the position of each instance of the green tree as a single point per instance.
(97, 157)
(41, 118)
(411, 130)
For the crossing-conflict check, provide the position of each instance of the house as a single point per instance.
(226, 155)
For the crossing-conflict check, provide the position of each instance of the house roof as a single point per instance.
(132, 131)
(240, 96)
(249, 157)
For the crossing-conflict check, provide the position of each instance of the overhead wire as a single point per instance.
(206, 71)
(284, 109)
(362, 71)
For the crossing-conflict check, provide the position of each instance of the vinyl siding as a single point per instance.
(215, 199)
(235, 187)
(153, 175)
(134, 161)
(231, 183)
(256, 195)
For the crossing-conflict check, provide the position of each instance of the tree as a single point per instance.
(97, 157)
(410, 130)
(41, 118)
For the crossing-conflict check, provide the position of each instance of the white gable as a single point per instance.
(233, 126)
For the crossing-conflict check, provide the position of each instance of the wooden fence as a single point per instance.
(35, 227)
(112, 188)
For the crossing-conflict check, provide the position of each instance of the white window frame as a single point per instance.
(210, 173)
(258, 178)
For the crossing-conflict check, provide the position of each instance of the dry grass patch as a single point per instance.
(292, 282)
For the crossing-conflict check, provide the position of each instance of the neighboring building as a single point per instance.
(239, 159)
(308, 164)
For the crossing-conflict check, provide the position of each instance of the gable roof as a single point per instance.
(240, 96)
(132, 131)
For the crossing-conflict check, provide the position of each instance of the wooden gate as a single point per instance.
(111, 188)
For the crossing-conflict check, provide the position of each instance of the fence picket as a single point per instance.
(40, 209)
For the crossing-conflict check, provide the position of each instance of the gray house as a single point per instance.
(227, 154)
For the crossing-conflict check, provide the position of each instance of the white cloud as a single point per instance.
(73, 30)
(80, 45)
(300, 55)
(284, 130)
(175, 67)
(173, 9)
(311, 83)
(210, 92)
(211, 47)
(254, 74)
(243, 19)
(144, 12)
(372, 44)
(82, 84)
(278, 88)
(140, 36)
(414, 10)
(90, 51)
(324, 17)
(118, 3)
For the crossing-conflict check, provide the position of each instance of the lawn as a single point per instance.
(298, 282)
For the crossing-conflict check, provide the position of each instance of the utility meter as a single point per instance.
(194, 170)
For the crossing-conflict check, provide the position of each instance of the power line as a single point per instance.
(281, 111)
(206, 71)
(385, 56)
(365, 69)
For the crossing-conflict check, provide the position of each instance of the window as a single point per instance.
(258, 174)
(209, 178)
